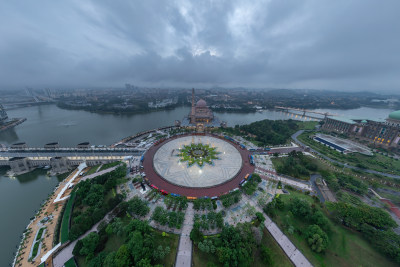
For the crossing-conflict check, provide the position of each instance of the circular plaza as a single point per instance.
(196, 165)
(187, 162)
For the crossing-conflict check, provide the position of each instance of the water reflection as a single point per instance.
(10, 135)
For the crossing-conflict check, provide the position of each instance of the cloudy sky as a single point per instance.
(341, 45)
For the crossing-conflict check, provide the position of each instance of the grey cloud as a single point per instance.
(342, 45)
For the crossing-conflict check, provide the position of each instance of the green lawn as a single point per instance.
(200, 259)
(92, 170)
(109, 165)
(65, 220)
(346, 248)
(279, 257)
(307, 125)
(70, 263)
(172, 241)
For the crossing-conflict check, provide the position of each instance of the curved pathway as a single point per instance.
(161, 183)
(294, 137)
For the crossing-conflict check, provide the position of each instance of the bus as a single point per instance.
(251, 159)
(252, 149)
(154, 187)
(242, 182)
(164, 192)
(175, 195)
(247, 176)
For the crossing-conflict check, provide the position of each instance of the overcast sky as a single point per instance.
(341, 45)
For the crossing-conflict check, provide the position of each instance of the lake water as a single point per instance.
(19, 198)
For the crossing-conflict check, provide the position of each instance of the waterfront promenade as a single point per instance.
(47, 217)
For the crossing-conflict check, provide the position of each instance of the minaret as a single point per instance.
(193, 109)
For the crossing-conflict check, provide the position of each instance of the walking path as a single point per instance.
(184, 254)
(287, 246)
(90, 176)
(66, 253)
(78, 171)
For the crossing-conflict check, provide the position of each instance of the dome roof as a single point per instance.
(201, 103)
(395, 115)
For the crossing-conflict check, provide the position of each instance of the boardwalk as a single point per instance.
(184, 254)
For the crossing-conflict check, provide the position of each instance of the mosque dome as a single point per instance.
(395, 115)
(201, 103)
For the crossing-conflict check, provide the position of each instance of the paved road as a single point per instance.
(294, 137)
(184, 254)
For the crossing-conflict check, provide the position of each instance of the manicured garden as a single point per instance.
(252, 184)
(199, 154)
(171, 218)
(231, 198)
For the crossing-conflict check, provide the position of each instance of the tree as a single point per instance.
(117, 227)
(196, 235)
(266, 255)
(122, 257)
(260, 217)
(300, 208)
(89, 244)
(316, 238)
(161, 252)
(138, 207)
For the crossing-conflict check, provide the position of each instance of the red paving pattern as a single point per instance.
(217, 190)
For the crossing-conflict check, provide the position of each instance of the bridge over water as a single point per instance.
(22, 160)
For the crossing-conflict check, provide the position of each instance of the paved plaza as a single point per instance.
(168, 165)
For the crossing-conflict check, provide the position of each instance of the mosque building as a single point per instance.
(200, 116)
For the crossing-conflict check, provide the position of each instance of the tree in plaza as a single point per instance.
(138, 207)
(316, 238)
(89, 244)
(250, 210)
(196, 235)
(266, 255)
(260, 217)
